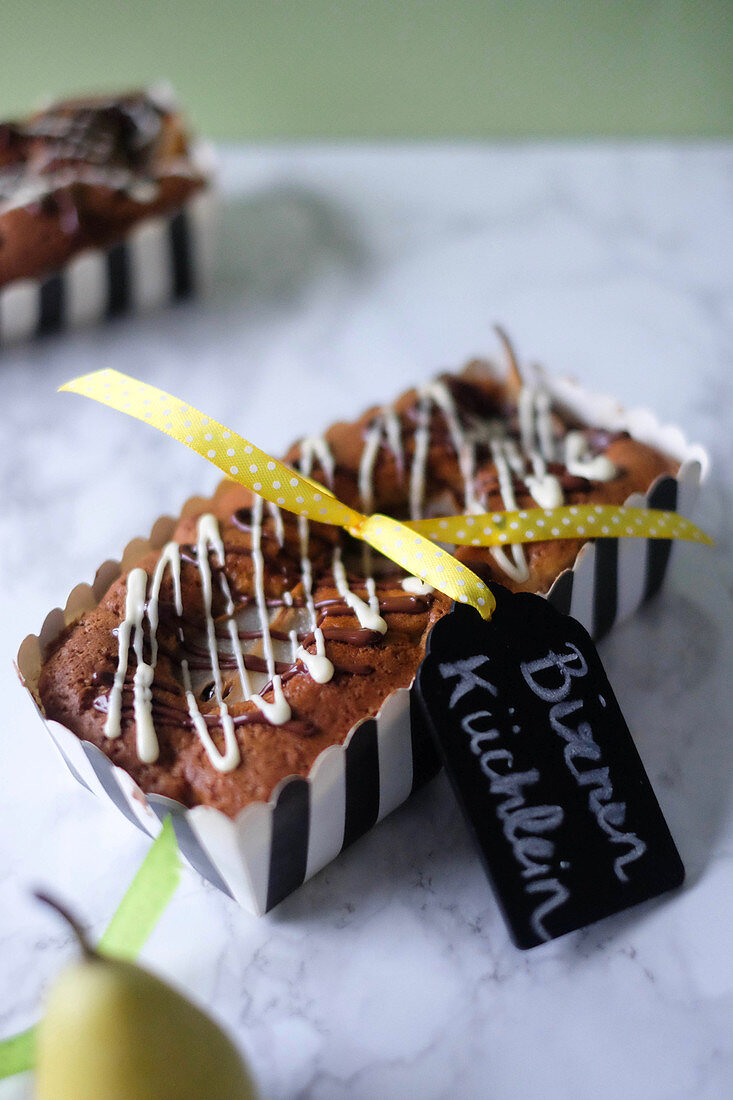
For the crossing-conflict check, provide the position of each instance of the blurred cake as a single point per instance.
(77, 179)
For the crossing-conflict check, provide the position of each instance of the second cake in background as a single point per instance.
(100, 203)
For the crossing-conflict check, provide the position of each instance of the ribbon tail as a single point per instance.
(591, 521)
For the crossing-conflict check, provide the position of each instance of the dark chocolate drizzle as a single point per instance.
(188, 641)
(347, 639)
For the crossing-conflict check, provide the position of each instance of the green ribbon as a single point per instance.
(18, 1054)
(137, 915)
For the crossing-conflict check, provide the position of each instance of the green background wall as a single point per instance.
(390, 68)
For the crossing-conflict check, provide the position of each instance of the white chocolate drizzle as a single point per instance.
(147, 741)
(420, 456)
(278, 711)
(505, 458)
(367, 613)
(526, 460)
(317, 664)
(277, 518)
(131, 628)
(316, 447)
(384, 428)
(416, 587)
(135, 613)
(581, 463)
(372, 443)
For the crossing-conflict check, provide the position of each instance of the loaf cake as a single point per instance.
(255, 639)
(82, 173)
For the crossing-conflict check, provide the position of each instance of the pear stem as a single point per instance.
(71, 920)
(515, 374)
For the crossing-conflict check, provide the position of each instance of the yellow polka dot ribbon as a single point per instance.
(280, 484)
(411, 544)
(572, 521)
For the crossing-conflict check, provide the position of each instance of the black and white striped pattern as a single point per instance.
(162, 260)
(613, 577)
(272, 848)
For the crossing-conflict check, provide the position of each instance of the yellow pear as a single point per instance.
(113, 1031)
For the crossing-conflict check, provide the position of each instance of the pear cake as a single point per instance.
(256, 639)
(82, 173)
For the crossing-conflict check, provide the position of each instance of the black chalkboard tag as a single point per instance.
(544, 767)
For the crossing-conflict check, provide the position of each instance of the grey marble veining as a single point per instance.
(345, 275)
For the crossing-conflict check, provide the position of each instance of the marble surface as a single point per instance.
(345, 274)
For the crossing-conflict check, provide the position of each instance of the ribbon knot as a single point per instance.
(357, 526)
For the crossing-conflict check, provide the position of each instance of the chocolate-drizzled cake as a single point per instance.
(83, 172)
(256, 639)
